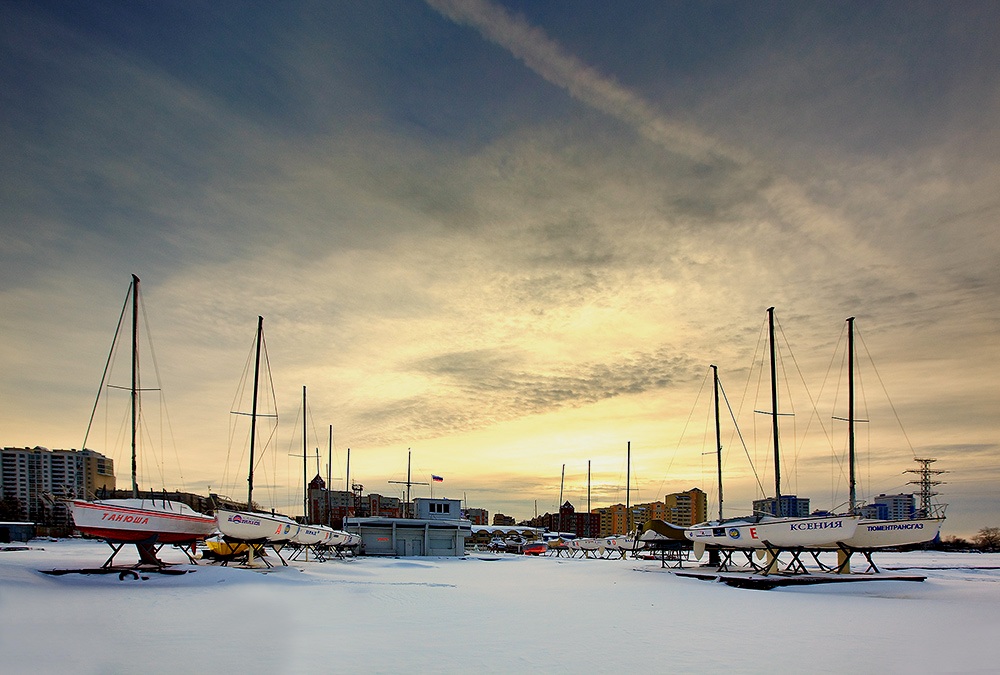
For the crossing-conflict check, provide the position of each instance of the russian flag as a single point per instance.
(437, 479)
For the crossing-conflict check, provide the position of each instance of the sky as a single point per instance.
(508, 237)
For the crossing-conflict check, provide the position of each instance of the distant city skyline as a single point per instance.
(510, 236)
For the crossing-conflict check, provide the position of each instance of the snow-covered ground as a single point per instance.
(494, 614)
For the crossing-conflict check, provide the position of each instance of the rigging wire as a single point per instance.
(758, 357)
(291, 453)
(885, 391)
(836, 459)
(236, 412)
(159, 461)
(108, 367)
(680, 440)
(736, 426)
(150, 455)
(786, 472)
(270, 481)
(812, 401)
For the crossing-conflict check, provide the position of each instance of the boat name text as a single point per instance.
(122, 518)
(243, 521)
(822, 525)
(895, 526)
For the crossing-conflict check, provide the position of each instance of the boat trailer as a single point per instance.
(773, 573)
(148, 562)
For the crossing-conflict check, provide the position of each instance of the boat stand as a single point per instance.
(867, 553)
(148, 561)
(795, 565)
(726, 559)
(772, 563)
(277, 551)
(253, 547)
(318, 553)
(297, 550)
(844, 554)
(673, 554)
(774, 573)
(147, 549)
(115, 548)
(795, 573)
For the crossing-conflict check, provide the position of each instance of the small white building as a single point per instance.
(438, 530)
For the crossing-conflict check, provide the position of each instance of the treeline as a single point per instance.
(987, 540)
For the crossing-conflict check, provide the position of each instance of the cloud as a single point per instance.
(468, 390)
(548, 59)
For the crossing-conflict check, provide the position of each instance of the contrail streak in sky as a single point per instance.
(548, 59)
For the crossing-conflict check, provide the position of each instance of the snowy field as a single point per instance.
(492, 614)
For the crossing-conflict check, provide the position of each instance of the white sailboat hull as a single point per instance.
(810, 531)
(137, 520)
(253, 526)
(333, 538)
(585, 544)
(889, 533)
(310, 535)
(321, 535)
(623, 543)
(350, 539)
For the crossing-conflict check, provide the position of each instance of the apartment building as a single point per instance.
(34, 475)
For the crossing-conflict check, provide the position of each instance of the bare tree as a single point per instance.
(11, 508)
(988, 539)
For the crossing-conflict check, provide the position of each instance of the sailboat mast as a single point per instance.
(850, 410)
(253, 412)
(628, 486)
(329, 478)
(774, 414)
(718, 435)
(562, 481)
(305, 454)
(135, 377)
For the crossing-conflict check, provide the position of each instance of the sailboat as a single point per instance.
(623, 543)
(762, 531)
(145, 522)
(656, 530)
(872, 532)
(586, 545)
(310, 535)
(254, 526)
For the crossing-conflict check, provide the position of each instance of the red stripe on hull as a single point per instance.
(141, 513)
(134, 536)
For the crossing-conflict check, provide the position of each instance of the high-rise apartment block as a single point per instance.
(33, 475)
(686, 508)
